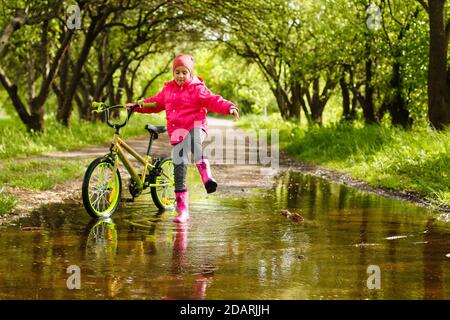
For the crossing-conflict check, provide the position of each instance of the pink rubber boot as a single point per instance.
(205, 172)
(182, 206)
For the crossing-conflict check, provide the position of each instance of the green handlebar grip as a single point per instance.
(98, 106)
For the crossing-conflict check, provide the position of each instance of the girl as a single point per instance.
(186, 100)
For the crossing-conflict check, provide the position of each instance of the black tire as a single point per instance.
(164, 196)
(109, 199)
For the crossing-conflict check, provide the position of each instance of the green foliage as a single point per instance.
(289, 42)
(222, 74)
(151, 66)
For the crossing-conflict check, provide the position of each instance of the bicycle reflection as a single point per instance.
(102, 239)
(181, 283)
(101, 251)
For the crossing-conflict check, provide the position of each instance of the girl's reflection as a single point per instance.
(182, 288)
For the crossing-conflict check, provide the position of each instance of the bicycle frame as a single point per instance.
(118, 146)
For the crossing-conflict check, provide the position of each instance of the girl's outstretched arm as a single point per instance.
(216, 103)
(154, 104)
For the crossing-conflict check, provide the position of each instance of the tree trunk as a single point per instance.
(354, 106)
(60, 87)
(396, 103)
(367, 103)
(352, 88)
(315, 103)
(122, 86)
(64, 113)
(345, 99)
(296, 100)
(33, 118)
(282, 102)
(318, 100)
(438, 83)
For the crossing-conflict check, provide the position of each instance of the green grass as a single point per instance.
(7, 203)
(40, 174)
(36, 175)
(416, 160)
(16, 142)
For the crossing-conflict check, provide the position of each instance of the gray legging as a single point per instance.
(192, 143)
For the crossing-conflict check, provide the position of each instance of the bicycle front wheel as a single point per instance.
(101, 188)
(163, 194)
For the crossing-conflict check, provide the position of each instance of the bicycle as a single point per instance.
(102, 183)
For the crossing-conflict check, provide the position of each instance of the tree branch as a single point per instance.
(50, 76)
(13, 94)
(424, 5)
(15, 24)
(149, 83)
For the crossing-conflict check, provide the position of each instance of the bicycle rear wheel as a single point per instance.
(163, 194)
(101, 188)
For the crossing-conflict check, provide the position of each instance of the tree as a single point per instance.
(121, 35)
(271, 34)
(42, 62)
(438, 69)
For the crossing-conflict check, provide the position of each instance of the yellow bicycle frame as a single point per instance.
(118, 146)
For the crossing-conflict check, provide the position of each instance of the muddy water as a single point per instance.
(238, 245)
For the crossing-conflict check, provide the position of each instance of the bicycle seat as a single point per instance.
(155, 129)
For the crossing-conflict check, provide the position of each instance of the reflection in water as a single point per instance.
(179, 288)
(101, 250)
(236, 246)
(434, 261)
(387, 233)
(102, 239)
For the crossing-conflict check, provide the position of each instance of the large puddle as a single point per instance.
(350, 245)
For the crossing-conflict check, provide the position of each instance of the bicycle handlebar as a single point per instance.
(101, 106)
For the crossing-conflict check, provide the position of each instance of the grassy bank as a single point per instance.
(40, 175)
(16, 144)
(7, 202)
(416, 160)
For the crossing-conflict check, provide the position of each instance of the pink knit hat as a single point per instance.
(184, 60)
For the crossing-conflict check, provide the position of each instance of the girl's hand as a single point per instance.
(235, 113)
(129, 105)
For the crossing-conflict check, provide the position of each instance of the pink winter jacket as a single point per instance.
(186, 106)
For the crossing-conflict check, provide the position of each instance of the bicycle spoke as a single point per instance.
(102, 183)
(165, 185)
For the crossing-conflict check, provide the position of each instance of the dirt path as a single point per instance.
(237, 178)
